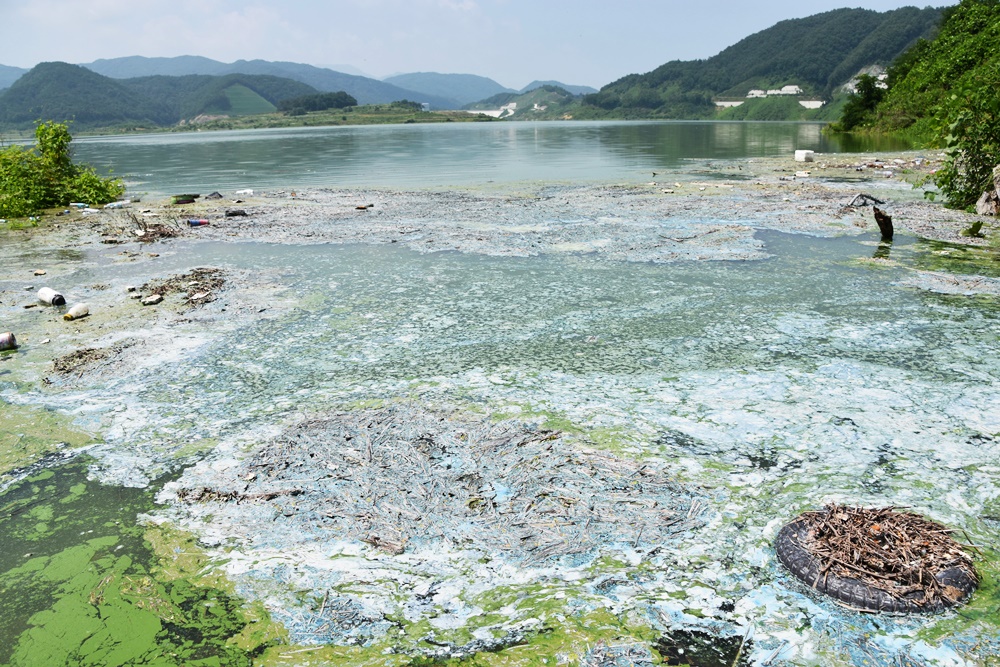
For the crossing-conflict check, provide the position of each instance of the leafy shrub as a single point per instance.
(969, 127)
(860, 108)
(43, 176)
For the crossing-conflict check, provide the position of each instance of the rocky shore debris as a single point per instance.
(127, 226)
(198, 286)
(878, 559)
(402, 476)
(864, 200)
(989, 203)
(89, 358)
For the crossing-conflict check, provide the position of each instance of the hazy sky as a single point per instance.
(582, 42)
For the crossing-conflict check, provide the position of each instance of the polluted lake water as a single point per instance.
(408, 457)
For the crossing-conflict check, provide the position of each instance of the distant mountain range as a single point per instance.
(363, 89)
(464, 89)
(441, 91)
(461, 89)
(817, 54)
(9, 75)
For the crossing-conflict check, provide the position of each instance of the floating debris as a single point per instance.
(7, 342)
(878, 559)
(401, 475)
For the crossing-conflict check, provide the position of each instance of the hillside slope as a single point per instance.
(817, 53)
(962, 60)
(184, 97)
(576, 90)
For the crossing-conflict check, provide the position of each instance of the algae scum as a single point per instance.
(447, 457)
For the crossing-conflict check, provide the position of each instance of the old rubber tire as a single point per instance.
(855, 593)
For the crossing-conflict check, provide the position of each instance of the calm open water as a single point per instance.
(440, 155)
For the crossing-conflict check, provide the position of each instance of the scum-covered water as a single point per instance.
(770, 386)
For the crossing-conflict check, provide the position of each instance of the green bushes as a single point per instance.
(969, 127)
(860, 108)
(43, 176)
(944, 92)
(297, 106)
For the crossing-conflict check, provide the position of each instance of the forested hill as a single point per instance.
(944, 92)
(60, 91)
(64, 92)
(964, 62)
(817, 53)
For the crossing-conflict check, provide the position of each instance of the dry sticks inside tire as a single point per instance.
(877, 559)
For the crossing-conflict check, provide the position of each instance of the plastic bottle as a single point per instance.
(7, 342)
(51, 297)
(77, 311)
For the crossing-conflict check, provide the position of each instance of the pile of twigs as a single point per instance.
(897, 552)
(396, 476)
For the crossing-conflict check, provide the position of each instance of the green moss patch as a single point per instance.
(28, 433)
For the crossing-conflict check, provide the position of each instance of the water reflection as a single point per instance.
(445, 154)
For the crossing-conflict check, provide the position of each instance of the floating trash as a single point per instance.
(49, 296)
(7, 342)
(878, 559)
(402, 475)
(78, 311)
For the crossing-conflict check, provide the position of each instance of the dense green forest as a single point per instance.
(944, 92)
(818, 53)
(316, 102)
(963, 59)
(67, 92)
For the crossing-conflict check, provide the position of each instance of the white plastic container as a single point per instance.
(77, 311)
(805, 156)
(51, 297)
